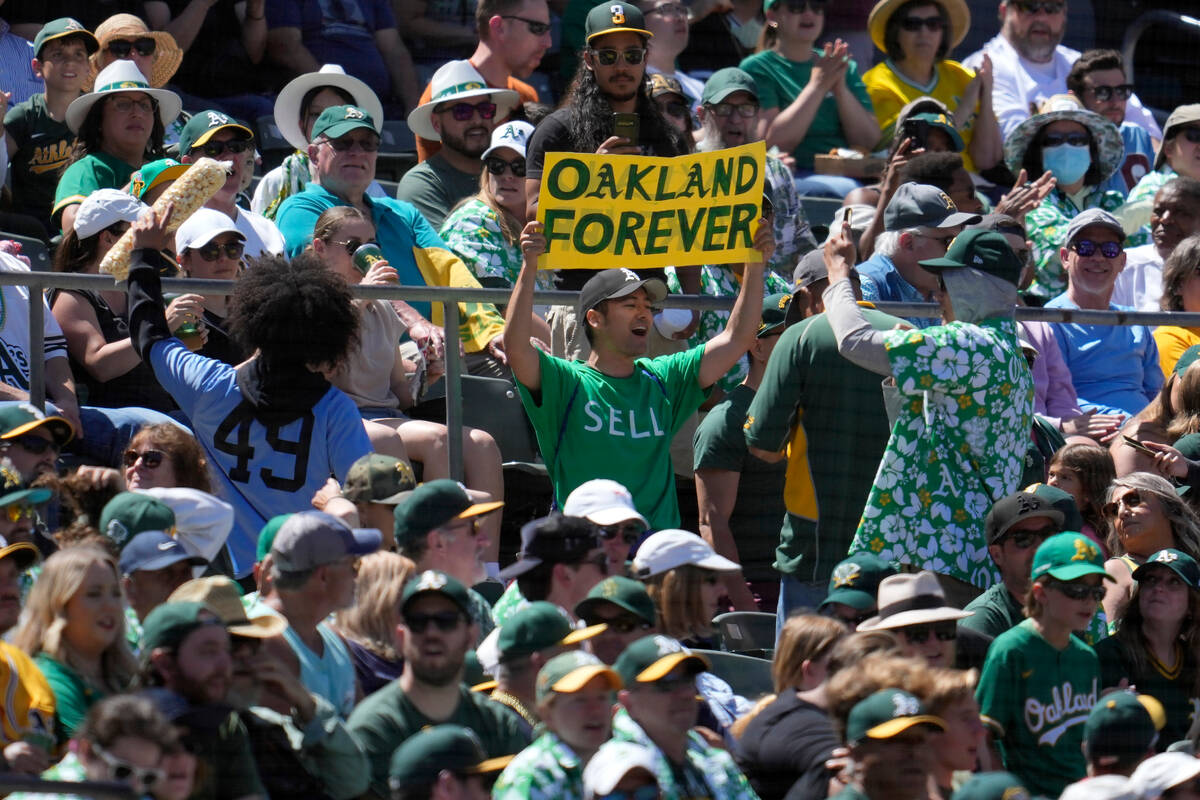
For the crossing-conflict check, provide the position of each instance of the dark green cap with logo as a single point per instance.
(170, 623)
(422, 757)
(153, 174)
(203, 124)
(437, 583)
(378, 478)
(725, 82)
(60, 29)
(336, 121)
(887, 713)
(1063, 502)
(624, 593)
(855, 581)
(942, 123)
(653, 658)
(992, 786)
(21, 418)
(432, 505)
(539, 625)
(1119, 727)
(131, 513)
(777, 314)
(567, 673)
(1177, 561)
(1067, 557)
(986, 251)
(1187, 358)
(614, 17)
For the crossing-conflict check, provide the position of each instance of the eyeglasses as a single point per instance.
(1191, 134)
(214, 149)
(799, 6)
(464, 111)
(1036, 7)
(746, 110)
(212, 251)
(1087, 248)
(33, 444)
(607, 56)
(914, 24)
(352, 245)
(1079, 591)
(622, 624)
(368, 144)
(675, 109)
(942, 631)
(1024, 540)
(121, 48)
(1106, 93)
(150, 458)
(126, 104)
(669, 10)
(140, 778)
(831, 612)
(648, 792)
(630, 532)
(445, 621)
(497, 165)
(535, 27)
(1073, 139)
(18, 511)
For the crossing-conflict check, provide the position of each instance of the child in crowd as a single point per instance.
(1084, 471)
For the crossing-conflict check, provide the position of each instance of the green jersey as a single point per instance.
(546, 770)
(1174, 687)
(829, 415)
(1040, 697)
(43, 148)
(383, 720)
(92, 172)
(591, 425)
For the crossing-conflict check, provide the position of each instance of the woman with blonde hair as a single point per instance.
(951, 696)
(369, 626)
(74, 629)
(682, 574)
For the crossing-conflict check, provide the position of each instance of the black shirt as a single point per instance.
(787, 745)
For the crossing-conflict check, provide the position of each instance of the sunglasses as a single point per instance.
(1105, 93)
(648, 792)
(535, 27)
(1073, 139)
(675, 109)
(212, 251)
(624, 624)
(943, 631)
(1130, 500)
(746, 110)
(214, 149)
(122, 47)
(34, 444)
(464, 111)
(1027, 539)
(1191, 134)
(445, 621)
(352, 245)
(497, 166)
(368, 144)
(1079, 591)
(126, 104)
(1035, 7)
(1087, 248)
(914, 24)
(668, 685)
(630, 532)
(816, 6)
(607, 56)
(19, 511)
(854, 622)
(120, 770)
(150, 458)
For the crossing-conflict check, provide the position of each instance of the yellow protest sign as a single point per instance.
(603, 211)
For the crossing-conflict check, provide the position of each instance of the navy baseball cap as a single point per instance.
(151, 550)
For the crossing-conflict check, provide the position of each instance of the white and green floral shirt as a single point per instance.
(472, 232)
(545, 770)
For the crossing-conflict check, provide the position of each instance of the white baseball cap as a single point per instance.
(1164, 771)
(105, 207)
(202, 521)
(202, 227)
(514, 135)
(603, 502)
(666, 550)
(1101, 787)
(612, 762)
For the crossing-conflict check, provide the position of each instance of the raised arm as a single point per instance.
(522, 357)
(857, 340)
(723, 350)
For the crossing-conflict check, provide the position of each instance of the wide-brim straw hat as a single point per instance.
(167, 54)
(1110, 147)
(956, 10)
(287, 104)
(122, 76)
(455, 81)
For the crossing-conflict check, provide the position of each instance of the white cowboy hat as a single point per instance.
(907, 599)
(122, 76)
(457, 80)
(287, 104)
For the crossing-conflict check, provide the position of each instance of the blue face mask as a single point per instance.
(1068, 162)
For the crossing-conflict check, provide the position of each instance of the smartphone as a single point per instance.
(1136, 445)
(626, 125)
(917, 130)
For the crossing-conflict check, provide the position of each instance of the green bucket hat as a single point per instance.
(170, 623)
(887, 713)
(336, 121)
(423, 756)
(624, 593)
(60, 29)
(154, 174)
(567, 673)
(652, 658)
(614, 17)
(540, 625)
(855, 581)
(378, 478)
(1177, 561)
(131, 513)
(266, 536)
(203, 124)
(431, 581)
(1068, 556)
(986, 251)
(725, 82)
(992, 786)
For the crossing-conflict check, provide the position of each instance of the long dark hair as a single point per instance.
(590, 117)
(1133, 646)
(90, 137)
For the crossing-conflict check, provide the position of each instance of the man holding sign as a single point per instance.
(613, 416)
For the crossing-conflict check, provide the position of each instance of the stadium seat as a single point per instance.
(747, 676)
(397, 151)
(492, 404)
(271, 145)
(741, 631)
(39, 255)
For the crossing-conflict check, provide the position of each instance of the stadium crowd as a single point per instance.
(797, 549)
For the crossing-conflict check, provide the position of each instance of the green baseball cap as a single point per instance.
(1067, 556)
(567, 673)
(1063, 503)
(540, 625)
(725, 82)
(992, 786)
(438, 583)
(131, 513)
(33, 496)
(1187, 358)
(336, 121)
(60, 29)
(1177, 561)
(432, 505)
(154, 174)
(22, 418)
(378, 478)
(624, 593)
(855, 581)
(652, 658)
(943, 124)
(203, 124)
(1189, 446)
(170, 623)
(613, 17)
(423, 756)
(1118, 727)
(266, 536)
(887, 713)
(777, 314)
(986, 251)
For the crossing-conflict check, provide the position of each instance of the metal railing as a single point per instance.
(450, 297)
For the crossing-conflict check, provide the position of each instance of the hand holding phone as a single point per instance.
(627, 126)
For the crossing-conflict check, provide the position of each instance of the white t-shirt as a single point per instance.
(1140, 284)
(14, 329)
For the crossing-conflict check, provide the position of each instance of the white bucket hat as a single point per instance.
(601, 501)
(612, 762)
(515, 136)
(287, 104)
(104, 207)
(122, 76)
(202, 227)
(911, 600)
(673, 548)
(457, 80)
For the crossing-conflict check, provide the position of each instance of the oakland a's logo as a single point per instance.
(629, 274)
(905, 705)
(1166, 557)
(1084, 550)
(618, 13)
(846, 574)
(354, 113)
(431, 581)
(215, 119)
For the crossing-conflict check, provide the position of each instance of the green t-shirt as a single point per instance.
(43, 148)
(92, 172)
(829, 413)
(434, 187)
(72, 695)
(996, 611)
(720, 444)
(1040, 697)
(591, 425)
(1172, 688)
(386, 718)
(780, 81)
(225, 750)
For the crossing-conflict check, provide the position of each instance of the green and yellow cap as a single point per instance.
(624, 593)
(654, 657)
(887, 713)
(614, 17)
(567, 673)
(540, 625)
(154, 174)
(1068, 556)
(60, 29)
(424, 755)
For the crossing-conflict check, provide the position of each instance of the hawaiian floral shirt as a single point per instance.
(545, 770)
(472, 232)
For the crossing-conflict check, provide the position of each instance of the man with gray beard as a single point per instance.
(434, 635)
